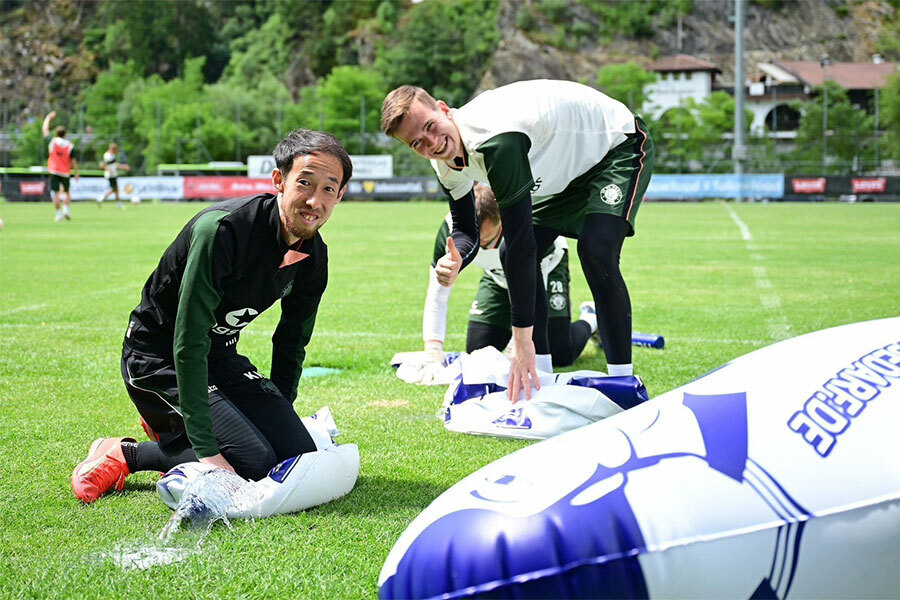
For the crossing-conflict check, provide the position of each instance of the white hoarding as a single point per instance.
(365, 166)
(163, 188)
(260, 166)
(372, 166)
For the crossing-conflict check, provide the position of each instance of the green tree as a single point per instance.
(847, 144)
(305, 113)
(626, 83)
(325, 32)
(102, 99)
(692, 138)
(148, 104)
(161, 35)
(254, 113)
(443, 47)
(260, 53)
(670, 134)
(715, 118)
(32, 149)
(889, 101)
(343, 96)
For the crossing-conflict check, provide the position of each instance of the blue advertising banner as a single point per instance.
(674, 187)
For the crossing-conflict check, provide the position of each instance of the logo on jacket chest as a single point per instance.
(236, 320)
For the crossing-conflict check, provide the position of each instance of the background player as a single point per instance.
(111, 167)
(489, 317)
(60, 164)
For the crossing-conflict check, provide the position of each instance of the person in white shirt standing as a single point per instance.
(111, 166)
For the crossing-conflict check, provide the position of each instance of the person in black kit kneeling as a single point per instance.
(197, 397)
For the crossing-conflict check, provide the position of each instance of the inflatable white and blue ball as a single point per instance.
(775, 476)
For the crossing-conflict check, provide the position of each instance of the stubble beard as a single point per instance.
(302, 231)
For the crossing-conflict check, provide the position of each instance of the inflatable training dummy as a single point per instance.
(201, 492)
(774, 476)
(475, 401)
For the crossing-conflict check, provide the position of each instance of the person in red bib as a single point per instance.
(61, 165)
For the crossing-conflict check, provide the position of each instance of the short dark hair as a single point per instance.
(60, 131)
(303, 142)
(486, 204)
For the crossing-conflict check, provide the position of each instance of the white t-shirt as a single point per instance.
(571, 128)
(110, 165)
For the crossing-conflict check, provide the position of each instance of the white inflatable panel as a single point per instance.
(303, 482)
(295, 484)
(774, 476)
(476, 402)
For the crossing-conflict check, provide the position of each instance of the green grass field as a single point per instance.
(717, 280)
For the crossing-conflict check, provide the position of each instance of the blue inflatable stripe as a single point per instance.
(723, 423)
(465, 391)
(567, 550)
(627, 391)
(280, 471)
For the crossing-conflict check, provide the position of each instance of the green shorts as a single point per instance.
(491, 304)
(59, 181)
(614, 186)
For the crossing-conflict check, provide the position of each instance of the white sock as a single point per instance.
(544, 363)
(66, 209)
(58, 212)
(620, 370)
(589, 318)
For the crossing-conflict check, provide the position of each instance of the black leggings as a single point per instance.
(255, 426)
(566, 339)
(599, 247)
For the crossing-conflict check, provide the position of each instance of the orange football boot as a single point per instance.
(103, 469)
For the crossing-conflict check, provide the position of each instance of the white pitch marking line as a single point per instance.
(745, 231)
(43, 305)
(776, 322)
(25, 308)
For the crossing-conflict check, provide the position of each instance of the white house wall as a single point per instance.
(672, 89)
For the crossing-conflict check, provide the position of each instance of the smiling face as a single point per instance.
(308, 195)
(430, 132)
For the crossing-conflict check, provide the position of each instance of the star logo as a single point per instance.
(239, 318)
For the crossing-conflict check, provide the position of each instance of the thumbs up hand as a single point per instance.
(448, 266)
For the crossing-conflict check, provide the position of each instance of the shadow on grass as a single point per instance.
(372, 494)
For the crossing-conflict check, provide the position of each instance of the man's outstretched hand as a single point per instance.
(522, 365)
(218, 461)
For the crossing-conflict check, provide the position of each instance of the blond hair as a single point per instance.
(397, 104)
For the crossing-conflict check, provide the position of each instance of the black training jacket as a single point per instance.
(227, 265)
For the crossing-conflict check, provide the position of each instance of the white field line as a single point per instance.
(745, 231)
(25, 308)
(43, 305)
(244, 334)
(777, 324)
(459, 337)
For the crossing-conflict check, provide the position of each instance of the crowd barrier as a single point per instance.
(772, 186)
